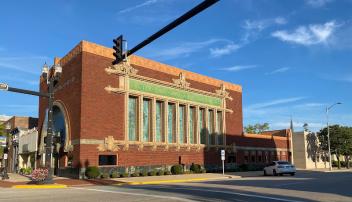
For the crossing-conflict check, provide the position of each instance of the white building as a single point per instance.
(307, 153)
(28, 146)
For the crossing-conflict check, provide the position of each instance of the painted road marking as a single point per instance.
(288, 184)
(233, 193)
(137, 194)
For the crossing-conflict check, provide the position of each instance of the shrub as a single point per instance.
(203, 170)
(92, 172)
(104, 176)
(176, 169)
(243, 167)
(160, 173)
(152, 173)
(39, 175)
(22, 170)
(167, 172)
(144, 173)
(196, 168)
(114, 174)
(124, 175)
(28, 171)
(136, 174)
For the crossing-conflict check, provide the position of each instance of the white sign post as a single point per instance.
(223, 161)
(5, 156)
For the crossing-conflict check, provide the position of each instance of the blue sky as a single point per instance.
(292, 58)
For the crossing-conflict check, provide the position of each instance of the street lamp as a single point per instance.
(51, 76)
(327, 123)
(51, 79)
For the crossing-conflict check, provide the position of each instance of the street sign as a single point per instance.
(222, 155)
(4, 86)
(5, 156)
(223, 161)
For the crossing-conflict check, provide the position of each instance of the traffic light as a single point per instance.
(118, 50)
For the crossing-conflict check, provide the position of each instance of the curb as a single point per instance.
(169, 181)
(47, 186)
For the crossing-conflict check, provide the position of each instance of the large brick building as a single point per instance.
(143, 113)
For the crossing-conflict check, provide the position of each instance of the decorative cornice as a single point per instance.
(181, 81)
(122, 69)
(114, 90)
(222, 92)
(108, 145)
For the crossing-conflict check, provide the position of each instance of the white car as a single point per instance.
(280, 168)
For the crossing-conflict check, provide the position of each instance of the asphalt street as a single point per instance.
(305, 186)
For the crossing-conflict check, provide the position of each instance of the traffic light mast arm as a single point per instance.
(28, 92)
(199, 8)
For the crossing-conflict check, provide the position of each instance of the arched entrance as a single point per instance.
(61, 137)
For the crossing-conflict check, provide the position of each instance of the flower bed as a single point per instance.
(39, 175)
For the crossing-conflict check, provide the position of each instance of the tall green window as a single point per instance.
(202, 129)
(211, 127)
(132, 119)
(192, 136)
(159, 122)
(146, 120)
(182, 122)
(171, 123)
(219, 125)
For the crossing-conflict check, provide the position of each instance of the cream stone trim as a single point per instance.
(108, 145)
(187, 125)
(166, 121)
(153, 120)
(207, 126)
(260, 148)
(181, 81)
(122, 68)
(140, 118)
(222, 92)
(197, 129)
(177, 122)
(174, 85)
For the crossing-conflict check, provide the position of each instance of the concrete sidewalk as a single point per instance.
(19, 181)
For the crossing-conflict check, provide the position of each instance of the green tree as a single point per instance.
(257, 128)
(340, 141)
(250, 129)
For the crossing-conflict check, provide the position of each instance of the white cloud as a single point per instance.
(307, 106)
(31, 64)
(275, 102)
(317, 3)
(280, 20)
(308, 35)
(227, 49)
(238, 68)
(279, 70)
(146, 3)
(187, 48)
(262, 24)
